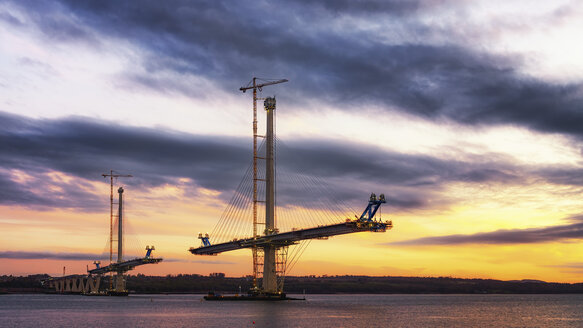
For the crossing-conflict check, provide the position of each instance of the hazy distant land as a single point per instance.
(183, 283)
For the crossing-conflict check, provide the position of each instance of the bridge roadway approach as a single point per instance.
(364, 223)
(90, 284)
(74, 284)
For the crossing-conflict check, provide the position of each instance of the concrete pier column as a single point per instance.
(75, 281)
(120, 284)
(120, 227)
(269, 274)
(93, 283)
(119, 280)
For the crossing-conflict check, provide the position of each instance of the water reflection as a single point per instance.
(316, 311)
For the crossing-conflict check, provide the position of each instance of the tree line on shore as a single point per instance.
(194, 283)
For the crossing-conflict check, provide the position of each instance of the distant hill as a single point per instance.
(349, 284)
(28, 284)
(183, 283)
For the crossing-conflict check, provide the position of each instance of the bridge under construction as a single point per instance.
(269, 246)
(90, 284)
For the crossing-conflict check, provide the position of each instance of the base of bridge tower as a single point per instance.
(269, 274)
(116, 293)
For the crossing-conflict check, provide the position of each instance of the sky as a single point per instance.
(467, 115)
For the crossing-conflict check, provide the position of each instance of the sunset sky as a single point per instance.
(467, 115)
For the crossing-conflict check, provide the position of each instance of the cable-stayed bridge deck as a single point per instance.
(124, 266)
(269, 247)
(294, 236)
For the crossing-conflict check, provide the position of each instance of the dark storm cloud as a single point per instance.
(87, 148)
(567, 232)
(6, 17)
(228, 42)
(349, 171)
(394, 7)
(369, 163)
(13, 193)
(562, 175)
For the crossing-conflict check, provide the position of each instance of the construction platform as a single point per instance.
(251, 297)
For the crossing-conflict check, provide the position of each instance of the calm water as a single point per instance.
(317, 311)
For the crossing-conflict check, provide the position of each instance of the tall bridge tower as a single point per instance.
(269, 247)
(90, 284)
(121, 266)
(112, 175)
(120, 286)
(269, 251)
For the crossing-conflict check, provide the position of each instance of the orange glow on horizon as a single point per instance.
(170, 218)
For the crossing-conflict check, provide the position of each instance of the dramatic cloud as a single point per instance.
(21, 255)
(563, 175)
(210, 262)
(428, 66)
(389, 7)
(576, 268)
(568, 266)
(52, 256)
(409, 181)
(567, 232)
(341, 63)
(87, 149)
(31, 150)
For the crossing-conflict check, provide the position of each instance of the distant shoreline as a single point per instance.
(198, 284)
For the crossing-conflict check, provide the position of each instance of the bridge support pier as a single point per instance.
(76, 284)
(120, 283)
(92, 284)
(269, 272)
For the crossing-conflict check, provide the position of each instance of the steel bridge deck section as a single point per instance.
(294, 236)
(124, 266)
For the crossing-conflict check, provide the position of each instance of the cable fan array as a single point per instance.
(303, 200)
